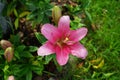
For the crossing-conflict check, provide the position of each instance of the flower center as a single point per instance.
(62, 42)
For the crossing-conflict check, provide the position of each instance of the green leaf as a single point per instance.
(15, 39)
(40, 19)
(24, 70)
(6, 67)
(20, 48)
(45, 19)
(47, 1)
(29, 75)
(15, 69)
(26, 54)
(15, 12)
(38, 69)
(1, 52)
(33, 48)
(16, 54)
(40, 37)
(48, 58)
(30, 16)
(37, 66)
(10, 8)
(59, 68)
(76, 23)
(16, 23)
(24, 14)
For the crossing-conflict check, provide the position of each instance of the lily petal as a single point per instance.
(62, 55)
(46, 49)
(64, 24)
(78, 50)
(77, 35)
(50, 32)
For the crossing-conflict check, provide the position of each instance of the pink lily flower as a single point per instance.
(63, 41)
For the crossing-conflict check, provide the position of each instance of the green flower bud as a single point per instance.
(5, 44)
(8, 54)
(56, 14)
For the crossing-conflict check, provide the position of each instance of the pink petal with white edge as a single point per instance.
(77, 35)
(46, 49)
(62, 55)
(64, 24)
(50, 32)
(78, 50)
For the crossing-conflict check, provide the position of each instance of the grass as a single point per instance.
(102, 42)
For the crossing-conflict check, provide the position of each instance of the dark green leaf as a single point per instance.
(29, 75)
(31, 16)
(20, 48)
(38, 69)
(33, 48)
(15, 39)
(48, 58)
(10, 8)
(24, 71)
(16, 54)
(1, 52)
(26, 54)
(40, 37)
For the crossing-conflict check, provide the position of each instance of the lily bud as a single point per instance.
(56, 14)
(5, 44)
(8, 54)
(11, 78)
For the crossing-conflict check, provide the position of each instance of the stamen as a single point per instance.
(66, 39)
(59, 44)
(62, 42)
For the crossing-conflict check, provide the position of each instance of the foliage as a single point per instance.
(40, 11)
(101, 17)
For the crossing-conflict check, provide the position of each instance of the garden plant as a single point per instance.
(59, 39)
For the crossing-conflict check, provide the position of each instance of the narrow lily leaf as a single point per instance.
(37, 67)
(15, 12)
(17, 55)
(30, 16)
(26, 54)
(29, 75)
(40, 37)
(33, 48)
(16, 23)
(48, 58)
(20, 48)
(24, 14)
